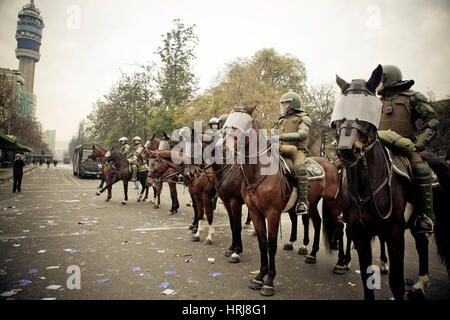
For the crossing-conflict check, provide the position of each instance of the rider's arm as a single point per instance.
(429, 128)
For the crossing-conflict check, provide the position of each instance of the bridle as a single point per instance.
(372, 141)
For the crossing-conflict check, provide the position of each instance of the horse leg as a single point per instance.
(294, 220)
(418, 289)
(260, 227)
(348, 250)
(232, 247)
(303, 250)
(362, 244)
(247, 222)
(339, 268)
(209, 213)
(125, 191)
(384, 266)
(396, 249)
(273, 223)
(173, 197)
(236, 213)
(109, 194)
(317, 222)
(156, 201)
(200, 218)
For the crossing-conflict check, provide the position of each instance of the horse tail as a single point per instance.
(329, 224)
(441, 207)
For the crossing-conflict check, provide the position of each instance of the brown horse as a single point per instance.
(159, 174)
(123, 173)
(373, 197)
(262, 192)
(107, 170)
(228, 182)
(200, 186)
(110, 173)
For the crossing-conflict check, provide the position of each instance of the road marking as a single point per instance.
(172, 228)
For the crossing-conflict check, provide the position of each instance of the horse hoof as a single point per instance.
(310, 259)
(138, 200)
(228, 253)
(416, 294)
(195, 239)
(303, 251)
(234, 260)
(155, 206)
(107, 200)
(97, 193)
(194, 231)
(208, 242)
(123, 203)
(288, 246)
(267, 291)
(255, 284)
(339, 270)
(143, 200)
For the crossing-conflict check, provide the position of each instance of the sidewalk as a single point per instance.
(7, 173)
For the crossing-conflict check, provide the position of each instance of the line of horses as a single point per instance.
(267, 196)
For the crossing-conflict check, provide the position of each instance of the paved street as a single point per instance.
(61, 214)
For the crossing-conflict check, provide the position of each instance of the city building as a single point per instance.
(50, 139)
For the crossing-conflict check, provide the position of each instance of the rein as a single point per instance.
(360, 202)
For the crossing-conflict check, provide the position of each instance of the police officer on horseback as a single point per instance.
(293, 126)
(401, 109)
(132, 158)
(125, 147)
(213, 125)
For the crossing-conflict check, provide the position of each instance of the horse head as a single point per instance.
(356, 115)
(238, 128)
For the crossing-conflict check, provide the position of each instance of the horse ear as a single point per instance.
(112, 149)
(152, 138)
(375, 79)
(344, 85)
(252, 108)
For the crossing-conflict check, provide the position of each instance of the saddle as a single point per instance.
(314, 169)
(402, 167)
(286, 168)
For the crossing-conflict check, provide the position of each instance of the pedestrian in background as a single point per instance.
(18, 172)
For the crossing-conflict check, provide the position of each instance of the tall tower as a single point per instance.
(28, 36)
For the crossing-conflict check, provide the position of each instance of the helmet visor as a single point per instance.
(357, 106)
(238, 120)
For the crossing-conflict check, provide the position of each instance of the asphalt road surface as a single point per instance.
(127, 252)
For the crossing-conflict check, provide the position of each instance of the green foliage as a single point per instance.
(176, 81)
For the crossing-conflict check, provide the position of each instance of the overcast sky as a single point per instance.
(80, 61)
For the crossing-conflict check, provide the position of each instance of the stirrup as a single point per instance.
(421, 228)
(301, 208)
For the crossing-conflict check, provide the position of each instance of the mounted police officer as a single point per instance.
(125, 147)
(213, 125)
(293, 126)
(401, 109)
(132, 158)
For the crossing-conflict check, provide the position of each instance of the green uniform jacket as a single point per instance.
(407, 107)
